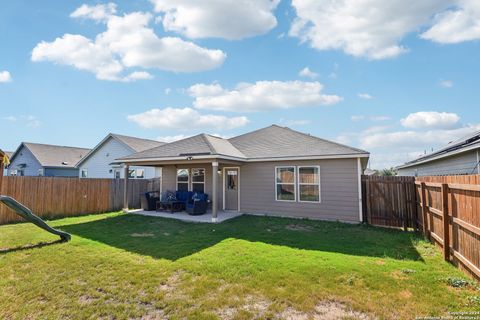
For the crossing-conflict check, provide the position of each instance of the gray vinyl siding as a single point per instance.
(463, 163)
(338, 190)
(98, 163)
(24, 156)
(169, 180)
(61, 172)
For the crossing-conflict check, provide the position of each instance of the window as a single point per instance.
(198, 180)
(140, 173)
(285, 183)
(117, 174)
(232, 176)
(40, 172)
(84, 173)
(131, 173)
(182, 180)
(309, 184)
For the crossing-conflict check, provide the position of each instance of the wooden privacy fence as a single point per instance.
(51, 197)
(446, 209)
(449, 215)
(389, 201)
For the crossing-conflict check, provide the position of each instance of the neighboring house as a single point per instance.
(9, 155)
(98, 162)
(458, 157)
(35, 159)
(273, 171)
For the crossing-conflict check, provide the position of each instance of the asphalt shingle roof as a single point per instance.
(467, 141)
(270, 142)
(138, 144)
(56, 156)
(278, 142)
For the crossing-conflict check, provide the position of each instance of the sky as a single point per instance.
(396, 78)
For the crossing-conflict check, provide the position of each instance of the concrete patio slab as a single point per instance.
(182, 215)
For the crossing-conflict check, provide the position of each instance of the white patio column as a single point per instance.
(214, 190)
(125, 189)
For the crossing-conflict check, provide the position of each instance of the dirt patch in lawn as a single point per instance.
(142, 235)
(299, 227)
(260, 308)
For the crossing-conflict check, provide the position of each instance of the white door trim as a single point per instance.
(238, 189)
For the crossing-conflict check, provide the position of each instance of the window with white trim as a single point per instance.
(309, 184)
(84, 173)
(285, 189)
(198, 180)
(182, 179)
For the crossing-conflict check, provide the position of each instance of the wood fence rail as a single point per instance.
(52, 197)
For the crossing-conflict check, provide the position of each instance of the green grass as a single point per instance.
(126, 266)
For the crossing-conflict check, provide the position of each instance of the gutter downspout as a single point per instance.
(478, 161)
(360, 204)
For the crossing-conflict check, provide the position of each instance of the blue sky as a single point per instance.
(396, 81)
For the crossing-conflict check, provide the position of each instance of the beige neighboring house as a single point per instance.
(272, 171)
(456, 158)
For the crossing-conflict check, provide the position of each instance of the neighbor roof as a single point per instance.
(132, 143)
(138, 144)
(466, 143)
(270, 143)
(52, 155)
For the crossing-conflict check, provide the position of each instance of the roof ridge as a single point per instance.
(123, 135)
(325, 140)
(260, 129)
(210, 145)
(53, 145)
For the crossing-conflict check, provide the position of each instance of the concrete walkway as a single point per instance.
(182, 215)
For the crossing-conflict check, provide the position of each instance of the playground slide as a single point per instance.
(27, 214)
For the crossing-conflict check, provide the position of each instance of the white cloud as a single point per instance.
(5, 76)
(10, 118)
(415, 139)
(169, 139)
(261, 96)
(32, 121)
(362, 28)
(128, 42)
(458, 24)
(307, 73)
(365, 96)
(431, 119)
(99, 12)
(185, 119)
(168, 91)
(228, 19)
(446, 84)
(357, 118)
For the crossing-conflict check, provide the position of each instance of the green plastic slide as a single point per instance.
(28, 215)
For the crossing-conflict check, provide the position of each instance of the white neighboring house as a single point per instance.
(458, 157)
(98, 162)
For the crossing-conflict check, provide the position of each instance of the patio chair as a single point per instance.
(197, 205)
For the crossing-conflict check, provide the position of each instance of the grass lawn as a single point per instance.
(125, 266)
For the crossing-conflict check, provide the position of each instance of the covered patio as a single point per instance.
(184, 216)
(218, 178)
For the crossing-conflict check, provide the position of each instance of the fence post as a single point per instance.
(425, 211)
(446, 223)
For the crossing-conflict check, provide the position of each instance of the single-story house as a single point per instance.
(272, 171)
(35, 159)
(457, 157)
(98, 162)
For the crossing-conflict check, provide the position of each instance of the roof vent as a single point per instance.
(65, 163)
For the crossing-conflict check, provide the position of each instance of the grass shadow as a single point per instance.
(30, 246)
(172, 239)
